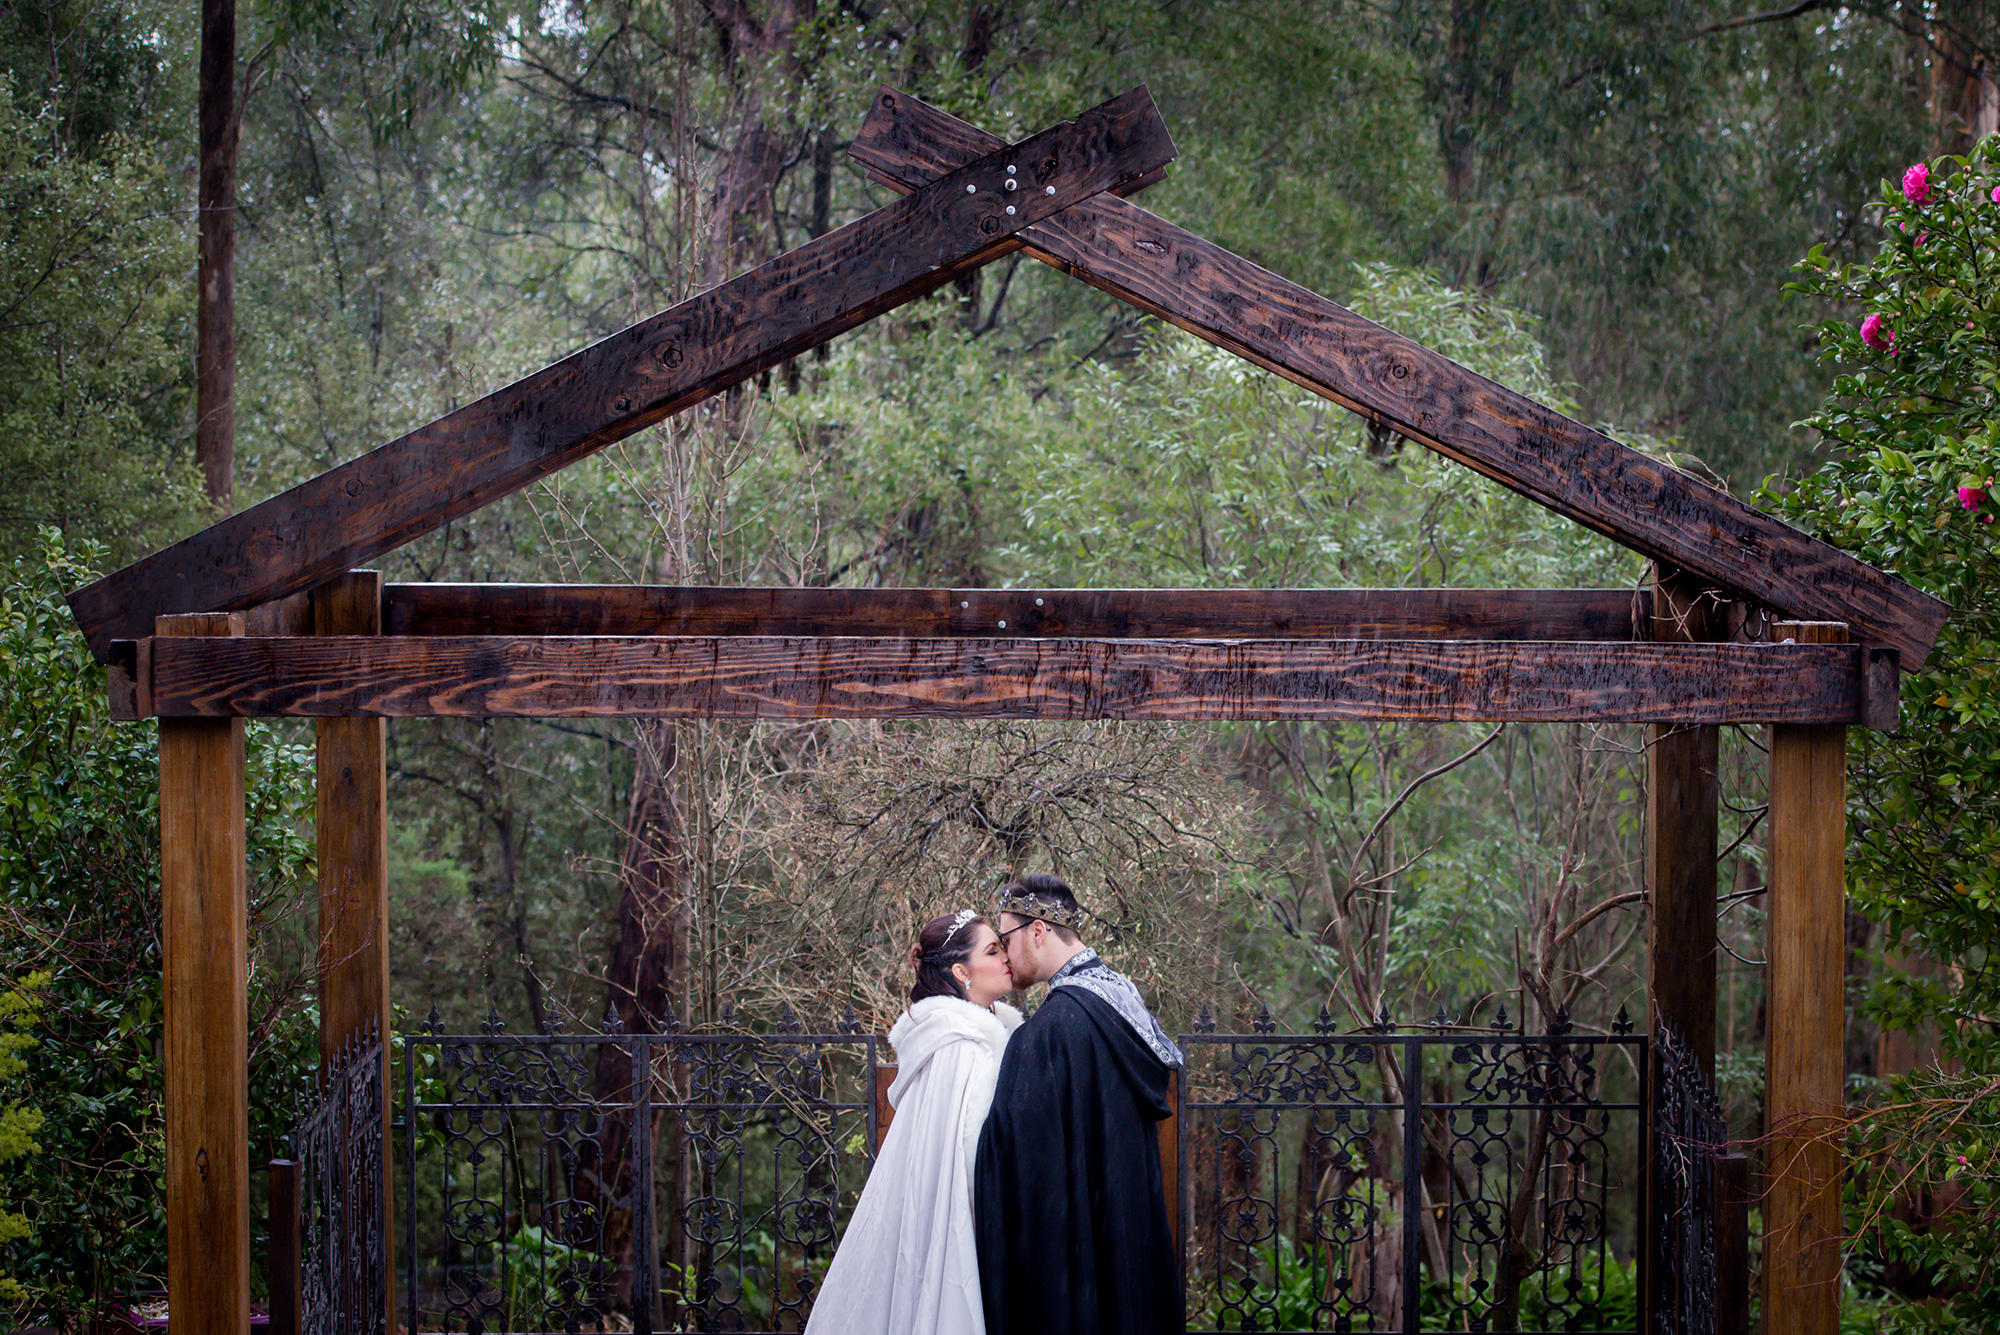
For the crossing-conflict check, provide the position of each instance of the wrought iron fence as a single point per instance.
(697, 1180)
(337, 1144)
(1691, 1133)
(1448, 1178)
(1431, 1177)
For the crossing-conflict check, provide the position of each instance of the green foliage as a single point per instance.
(1639, 175)
(1195, 467)
(20, 1009)
(1606, 1297)
(1913, 425)
(79, 902)
(94, 302)
(540, 1276)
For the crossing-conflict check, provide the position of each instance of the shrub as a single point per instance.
(1914, 429)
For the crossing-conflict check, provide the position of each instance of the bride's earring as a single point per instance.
(963, 974)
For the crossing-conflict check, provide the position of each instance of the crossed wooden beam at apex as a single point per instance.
(969, 198)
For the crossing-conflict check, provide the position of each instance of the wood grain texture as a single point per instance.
(351, 789)
(204, 960)
(776, 677)
(286, 1252)
(1307, 614)
(375, 503)
(1881, 689)
(1582, 474)
(128, 679)
(1732, 1243)
(1806, 1009)
(1682, 802)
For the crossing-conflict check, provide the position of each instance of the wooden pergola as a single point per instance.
(264, 614)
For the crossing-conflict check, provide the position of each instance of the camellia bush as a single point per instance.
(1913, 427)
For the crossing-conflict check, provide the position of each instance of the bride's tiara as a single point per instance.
(942, 953)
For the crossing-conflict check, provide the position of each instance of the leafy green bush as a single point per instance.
(79, 903)
(1913, 424)
(19, 1009)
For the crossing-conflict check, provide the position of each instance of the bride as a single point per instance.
(906, 1265)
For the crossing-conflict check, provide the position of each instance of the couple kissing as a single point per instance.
(1018, 1188)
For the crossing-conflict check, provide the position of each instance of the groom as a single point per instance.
(1068, 1211)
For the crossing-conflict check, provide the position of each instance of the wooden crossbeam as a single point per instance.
(1285, 614)
(1577, 472)
(800, 678)
(409, 487)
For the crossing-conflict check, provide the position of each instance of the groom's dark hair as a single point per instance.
(1050, 890)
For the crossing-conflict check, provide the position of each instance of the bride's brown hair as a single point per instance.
(938, 948)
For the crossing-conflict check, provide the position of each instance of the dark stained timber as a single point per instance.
(796, 678)
(385, 498)
(1583, 474)
(1303, 614)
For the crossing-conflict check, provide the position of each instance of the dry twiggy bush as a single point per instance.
(858, 833)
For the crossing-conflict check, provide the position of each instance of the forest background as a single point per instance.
(1600, 207)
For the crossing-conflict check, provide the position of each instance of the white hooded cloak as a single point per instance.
(906, 1265)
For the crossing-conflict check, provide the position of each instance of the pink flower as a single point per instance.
(1986, 519)
(1996, 194)
(1917, 184)
(1970, 497)
(1876, 334)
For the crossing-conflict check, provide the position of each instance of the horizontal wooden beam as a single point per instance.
(1640, 501)
(1280, 614)
(801, 678)
(376, 503)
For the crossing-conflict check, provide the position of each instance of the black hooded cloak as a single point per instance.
(1068, 1213)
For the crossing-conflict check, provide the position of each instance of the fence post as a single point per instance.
(409, 1170)
(1413, 1184)
(646, 1262)
(282, 1261)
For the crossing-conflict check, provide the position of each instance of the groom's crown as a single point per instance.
(1023, 898)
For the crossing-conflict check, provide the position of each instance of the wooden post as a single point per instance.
(352, 792)
(1681, 800)
(1732, 1244)
(1806, 947)
(204, 956)
(286, 1253)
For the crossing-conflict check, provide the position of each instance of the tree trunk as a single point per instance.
(1964, 94)
(638, 986)
(215, 307)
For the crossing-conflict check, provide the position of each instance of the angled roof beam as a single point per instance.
(535, 426)
(1582, 474)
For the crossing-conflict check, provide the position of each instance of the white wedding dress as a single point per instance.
(906, 1265)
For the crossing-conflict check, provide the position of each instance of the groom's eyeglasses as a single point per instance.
(1015, 928)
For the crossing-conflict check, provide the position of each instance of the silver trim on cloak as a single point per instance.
(1086, 971)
